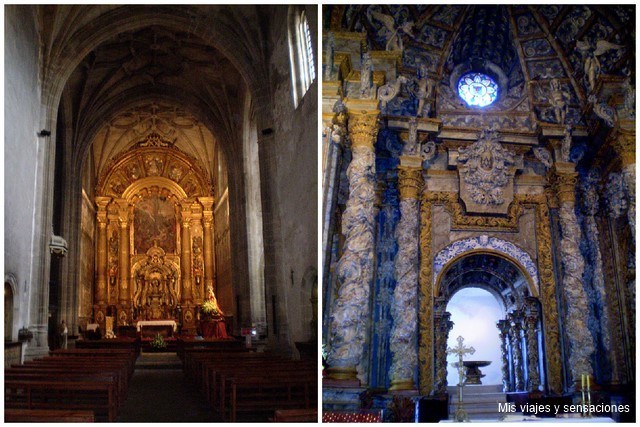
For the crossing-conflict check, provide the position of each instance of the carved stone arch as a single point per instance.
(449, 255)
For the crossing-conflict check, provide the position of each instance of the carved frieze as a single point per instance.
(486, 171)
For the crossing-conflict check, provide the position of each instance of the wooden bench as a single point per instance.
(47, 416)
(100, 397)
(296, 416)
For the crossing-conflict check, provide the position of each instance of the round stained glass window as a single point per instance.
(477, 89)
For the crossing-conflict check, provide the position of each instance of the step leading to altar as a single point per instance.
(479, 401)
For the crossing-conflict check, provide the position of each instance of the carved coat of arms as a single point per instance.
(486, 171)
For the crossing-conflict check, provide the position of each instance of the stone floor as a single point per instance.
(159, 392)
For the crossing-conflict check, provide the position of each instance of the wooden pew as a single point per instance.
(47, 416)
(100, 397)
(296, 415)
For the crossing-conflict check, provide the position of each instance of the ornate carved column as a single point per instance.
(124, 296)
(515, 326)
(625, 146)
(503, 327)
(580, 339)
(209, 251)
(531, 336)
(442, 326)
(590, 206)
(350, 315)
(404, 334)
(185, 253)
(100, 295)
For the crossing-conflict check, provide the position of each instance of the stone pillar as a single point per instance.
(350, 315)
(503, 327)
(530, 324)
(581, 346)
(124, 296)
(209, 250)
(515, 326)
(442, 326)
(185, 254)
(404, 333)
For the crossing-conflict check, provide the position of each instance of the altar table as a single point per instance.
(171, 323)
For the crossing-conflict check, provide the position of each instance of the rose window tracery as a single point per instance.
(477, 89)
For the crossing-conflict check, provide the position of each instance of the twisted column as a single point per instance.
(515, 326)
(625, 146)
(531, 336)
(581, 346)
(350, 315)
(404, 333)
(442, 327)
(503, 328)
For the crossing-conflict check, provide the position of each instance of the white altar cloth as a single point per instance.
(142, 323)
(521, 418)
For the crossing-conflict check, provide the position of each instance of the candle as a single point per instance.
(588, 381)
(582, 378)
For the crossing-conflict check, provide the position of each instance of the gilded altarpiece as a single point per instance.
(151, 250)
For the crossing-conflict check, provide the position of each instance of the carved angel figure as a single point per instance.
(366, 76)
(590, 53)
(425, 90)
(393, 32)
(559, 101)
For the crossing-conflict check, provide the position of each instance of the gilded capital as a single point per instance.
(409, 182)
(564, 179)
(363, 128)
(625, 146)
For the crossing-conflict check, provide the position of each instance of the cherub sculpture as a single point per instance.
(559, 101)
(590, 53)
(394, 33)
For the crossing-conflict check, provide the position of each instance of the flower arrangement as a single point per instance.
(158, 342)
(210, 308)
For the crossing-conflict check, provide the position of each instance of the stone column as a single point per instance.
(503, 327)
(350, 315)
(581, 346)
(404, 333)
(515, 326)
(442, 326)
(185, 254)
(124, 296)
(209, 250)
(530, 324)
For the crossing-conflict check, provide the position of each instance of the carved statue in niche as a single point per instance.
(113, 264)
(156, 293)
(198, 264)
(426, 85)
(486, 171)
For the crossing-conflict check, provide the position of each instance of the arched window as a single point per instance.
(303, 68)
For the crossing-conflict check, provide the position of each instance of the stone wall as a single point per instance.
(295, 188)
(22, 150)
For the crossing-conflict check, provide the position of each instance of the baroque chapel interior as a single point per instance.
(160, 211)
(478, 246)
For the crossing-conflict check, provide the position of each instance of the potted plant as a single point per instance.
(158, 343)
